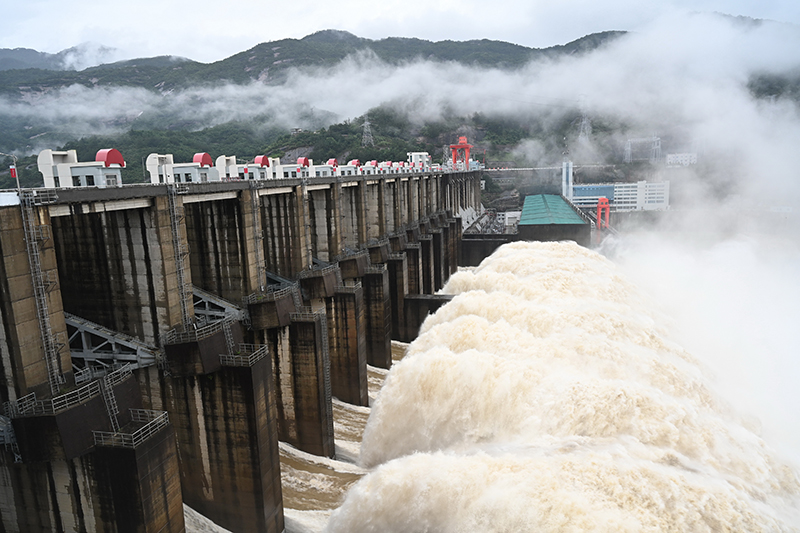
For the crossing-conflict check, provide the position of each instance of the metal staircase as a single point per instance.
(110, 400)
(42, 282)
(258, 239)
(8, 438)
(226, 327)
(176, 215)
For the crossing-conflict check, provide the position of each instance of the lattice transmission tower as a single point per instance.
(586, 122)
(633, 155)
(366, 136)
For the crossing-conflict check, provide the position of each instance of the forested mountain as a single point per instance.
(268, 62)
(246, 105)
(52, 106)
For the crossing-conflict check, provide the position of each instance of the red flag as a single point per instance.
(13, 171)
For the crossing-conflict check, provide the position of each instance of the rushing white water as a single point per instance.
(547, 396)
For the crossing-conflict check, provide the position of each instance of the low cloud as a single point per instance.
(683, 78)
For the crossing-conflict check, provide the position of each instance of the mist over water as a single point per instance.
(549, 395)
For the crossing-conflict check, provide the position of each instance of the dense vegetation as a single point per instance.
(496, 137)
(269, 62)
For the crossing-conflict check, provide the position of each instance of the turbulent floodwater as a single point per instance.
(312, 486)
(546, 396)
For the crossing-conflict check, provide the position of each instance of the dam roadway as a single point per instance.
(159, 340)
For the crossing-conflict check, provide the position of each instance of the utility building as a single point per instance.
(163, 169)
(62, 169)
(548, 217)
(640, 196)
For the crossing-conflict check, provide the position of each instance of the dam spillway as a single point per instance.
(159, 340)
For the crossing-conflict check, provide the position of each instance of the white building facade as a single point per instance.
(640, 196)
(63, 170)
(163, 169)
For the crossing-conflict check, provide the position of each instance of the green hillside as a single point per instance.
(494, 138)
(269, 62)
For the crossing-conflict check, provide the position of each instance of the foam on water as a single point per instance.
(547, 396)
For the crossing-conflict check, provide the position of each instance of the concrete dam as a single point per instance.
(159, 340)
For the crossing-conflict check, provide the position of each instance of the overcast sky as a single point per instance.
(208, 31)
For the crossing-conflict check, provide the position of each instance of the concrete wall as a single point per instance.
(580, 233)
(475, 248)
(118, 269)
(216, 252)
(226, 430)
(116, 257)
(23, 368)
(66, 482)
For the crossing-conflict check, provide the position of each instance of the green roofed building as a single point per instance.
(548, 217)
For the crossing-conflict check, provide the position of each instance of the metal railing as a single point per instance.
(306, 314)
(379, 268)
(44, 196)
(90, 372)
(249, 354)
(119, 375)
(350, 254)
(153, 421)
(349, 287)
(377, 242)
(30, 406)
(268, 295)
(318, 271)
(193, 335)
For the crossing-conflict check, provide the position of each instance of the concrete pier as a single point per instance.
(90, 459)
(313, 412)
(318, 275)
(347, 345)
(379, 316)
(427, 259)
(397, 265)
(226, 426)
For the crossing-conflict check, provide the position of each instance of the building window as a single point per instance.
(57, 181)
(161, 178)
(76, 181)
(204, 176)
(90, 181)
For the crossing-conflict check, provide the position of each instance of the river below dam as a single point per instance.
(551, 395)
